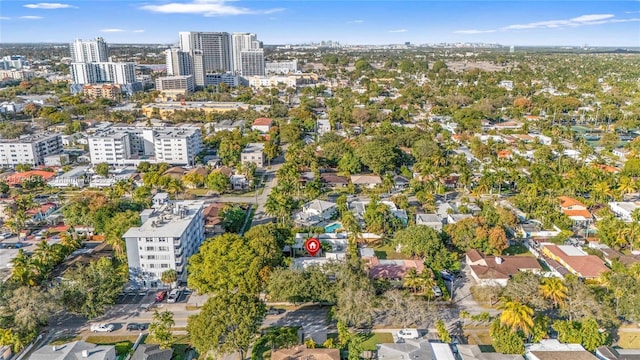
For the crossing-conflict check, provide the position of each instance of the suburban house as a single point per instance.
(315, 211)
(74, 351)
(227, 125)
(324, 126)
(454, 218)
(254, 153)
(394, 270)
(575, 260)
(175, 172)
(624, 209)
(431, 220)
(497, 270)
(552, 349)
(302, 353)
(212, 219)
(574, 209)
(152, 352)
(334, 181)
(400, 182)
(18, 178)
(358, 208)
(40, 213)
(622, 153)
(366, 181)
(473, 352)
(418, 349)
(611, 353)
(263, 125)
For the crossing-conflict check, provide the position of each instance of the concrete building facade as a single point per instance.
(29, 149)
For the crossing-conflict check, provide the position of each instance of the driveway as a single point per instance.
(462, 293)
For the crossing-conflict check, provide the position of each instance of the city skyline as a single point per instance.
(520, 23)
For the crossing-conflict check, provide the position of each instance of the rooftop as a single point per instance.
(588, 266)
(253, 147)
(262, 122)
(169, 220)
(24, 139)
(117, 132)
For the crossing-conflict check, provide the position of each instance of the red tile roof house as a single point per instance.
(574, 209)
(575, 260)
(263, 125)
(393, 270)
(41, 212)
(497, 270)
(18, 178)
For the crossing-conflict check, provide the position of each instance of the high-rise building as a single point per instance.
(103, 72)
(252, 62)
(178, 62)
(84, 51)
(241, 42)
(210, 53)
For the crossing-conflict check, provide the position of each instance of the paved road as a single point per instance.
(312, 319)
(269, 180)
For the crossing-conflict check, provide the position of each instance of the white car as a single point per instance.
(173, 296)
(102, 327)
(408, 334)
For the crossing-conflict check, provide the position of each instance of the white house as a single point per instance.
(431, 220)
(74, 351)
(315, 211)
(553, 349)
(263, 125)
(324, 126)
(624, 210)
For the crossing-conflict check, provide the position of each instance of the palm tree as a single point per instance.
(169, 277)
(554, 290)
(516, 315)
(626, 185)
(412, 280)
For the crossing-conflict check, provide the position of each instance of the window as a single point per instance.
(164, 266)
(151, 248)
(163, 248)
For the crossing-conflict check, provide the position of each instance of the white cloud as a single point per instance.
(398, 31)
(31, 17)
(473, 32)
(48, 6)
(355, 22)
(206, 8)
(591, 19)
(632, 12)
(138, 31)
(5, 18)
(112, 30)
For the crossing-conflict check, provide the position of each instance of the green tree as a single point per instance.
(424, 242)
(160, 328)
(217, 181)
(443, 333)
(271, 150)
(516, 316)
(102, 169)
(89, 290)
(505, 340)
(225, 264)
(228, 322)
(349, 163)
(554, 290)
(169, 277)
(233, 218)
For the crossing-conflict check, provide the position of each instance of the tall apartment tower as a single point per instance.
(178, 62)
(242, 42)
(85, 51)
(210, 52)
(252, 62)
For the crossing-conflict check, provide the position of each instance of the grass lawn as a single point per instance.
(479, 338)
(65, 339)
(179, 346)
(388, 252)
(629, 340)
(198, 192)
(518, 250)
(376, 338)
(123, 343)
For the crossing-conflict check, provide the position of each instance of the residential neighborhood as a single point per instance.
(220, 197)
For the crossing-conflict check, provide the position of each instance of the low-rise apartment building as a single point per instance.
(170, 233)
(253, 152)
(29, 149)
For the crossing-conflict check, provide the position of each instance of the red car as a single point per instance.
(160, 295)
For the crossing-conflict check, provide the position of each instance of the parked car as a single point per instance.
(275, 311)
(437, 291)
(136, 326)
(174, 295)
(102, 327)
(408, 334)
(161, 295)
(447, 275)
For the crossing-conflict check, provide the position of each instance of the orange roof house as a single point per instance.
(575, 260)
(505, 154)
(574, 209)
(18, 178)
(497, 270)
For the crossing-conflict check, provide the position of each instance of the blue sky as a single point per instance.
(508, 22)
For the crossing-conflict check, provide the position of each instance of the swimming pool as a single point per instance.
(331, 228)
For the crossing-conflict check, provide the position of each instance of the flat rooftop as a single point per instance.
(169, 220)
